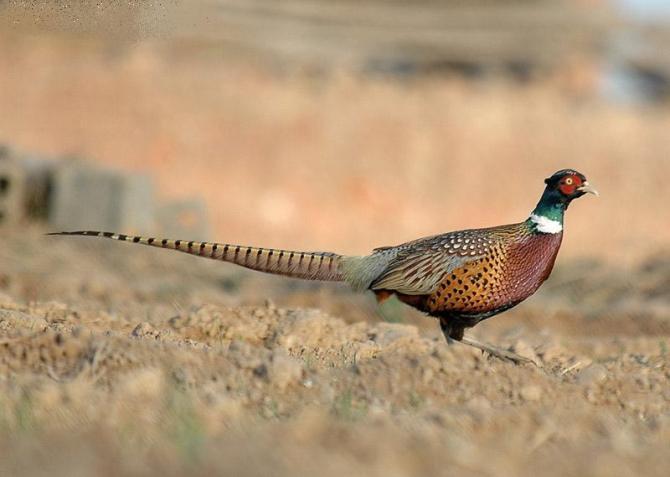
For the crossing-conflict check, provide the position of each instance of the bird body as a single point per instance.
(460, 277)
(488, 271)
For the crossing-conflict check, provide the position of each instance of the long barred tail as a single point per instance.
(306, 265)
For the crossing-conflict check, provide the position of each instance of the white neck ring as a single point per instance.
(546, 225)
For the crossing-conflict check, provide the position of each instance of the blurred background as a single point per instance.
(348, 125)
(336, 126)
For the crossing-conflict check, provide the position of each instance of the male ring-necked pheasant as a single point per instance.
(459, 277)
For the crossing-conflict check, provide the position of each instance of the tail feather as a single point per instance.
(324, 266)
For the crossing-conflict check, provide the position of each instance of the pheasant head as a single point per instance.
(561, 189)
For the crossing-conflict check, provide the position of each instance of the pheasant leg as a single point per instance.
(496, 352)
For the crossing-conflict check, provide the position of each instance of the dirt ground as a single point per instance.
(121, 359)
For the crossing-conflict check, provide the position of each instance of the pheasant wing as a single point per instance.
(419, 267)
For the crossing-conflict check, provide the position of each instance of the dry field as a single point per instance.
(119, 359)
(126, 360)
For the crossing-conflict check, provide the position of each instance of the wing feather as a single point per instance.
(419, 267)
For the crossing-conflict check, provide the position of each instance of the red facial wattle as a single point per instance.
(569, 185)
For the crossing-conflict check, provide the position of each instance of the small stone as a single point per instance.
(592, 374)
(531, 393)
(142, 330)
(146, 330)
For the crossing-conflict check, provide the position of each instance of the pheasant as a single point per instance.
(461, 277)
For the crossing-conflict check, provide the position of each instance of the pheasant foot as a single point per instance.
(496, 352)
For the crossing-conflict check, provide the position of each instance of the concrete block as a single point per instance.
(39, 173)
(12, 187)
(86, 197)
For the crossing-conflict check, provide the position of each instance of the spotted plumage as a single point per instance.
(500, 268)
(459, 277)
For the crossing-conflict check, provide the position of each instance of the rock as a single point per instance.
(147, 331)
(142, 329)
(592, 374)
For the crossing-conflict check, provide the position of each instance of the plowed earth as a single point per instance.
(120, 359)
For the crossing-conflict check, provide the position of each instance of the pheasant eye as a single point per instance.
(568, 181)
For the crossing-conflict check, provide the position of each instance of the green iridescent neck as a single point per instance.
(551, 207)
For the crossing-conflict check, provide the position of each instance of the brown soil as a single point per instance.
(117, 359)
(120, 359)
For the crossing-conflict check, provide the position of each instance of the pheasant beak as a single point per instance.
(587, 188)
